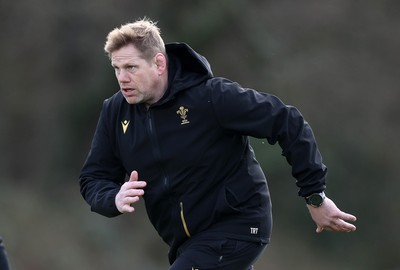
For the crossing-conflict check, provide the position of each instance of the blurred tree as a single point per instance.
(335, 60)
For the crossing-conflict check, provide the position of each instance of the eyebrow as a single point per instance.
(124, 65)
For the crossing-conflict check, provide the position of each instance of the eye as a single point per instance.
(131, 68)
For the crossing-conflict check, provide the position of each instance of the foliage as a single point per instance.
(334, 60)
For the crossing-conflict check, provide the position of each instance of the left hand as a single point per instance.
(329, 217)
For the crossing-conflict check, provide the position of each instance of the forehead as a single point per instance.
(125, 54)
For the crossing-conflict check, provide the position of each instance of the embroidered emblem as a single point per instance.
(183, 113)
(125, 125)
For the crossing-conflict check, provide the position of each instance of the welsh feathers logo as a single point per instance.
(183, 112)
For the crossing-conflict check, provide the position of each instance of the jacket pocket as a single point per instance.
(183, 220)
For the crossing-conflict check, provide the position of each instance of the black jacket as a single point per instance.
(192, 149)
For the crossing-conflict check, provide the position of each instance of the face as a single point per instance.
(141, 81)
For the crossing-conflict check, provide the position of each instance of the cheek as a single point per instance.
(150, 80)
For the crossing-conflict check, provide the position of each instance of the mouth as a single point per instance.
(128, 91)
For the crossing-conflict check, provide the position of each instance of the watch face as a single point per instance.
(316, 199)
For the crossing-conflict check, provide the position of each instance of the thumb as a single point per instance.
(134, 176)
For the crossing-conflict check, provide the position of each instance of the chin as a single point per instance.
(131, 100)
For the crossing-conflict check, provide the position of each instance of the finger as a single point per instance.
(340, 226)
(127, 208)
(326, 228)
(346, 216)
(134, 185)
(133, 193)
(345, 226)
(133, 181)
(134, 176)
(131, 200)
(127, 204)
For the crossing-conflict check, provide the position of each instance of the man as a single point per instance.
(3, 257)
(181, 136)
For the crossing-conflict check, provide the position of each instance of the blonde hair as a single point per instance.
(143, 34)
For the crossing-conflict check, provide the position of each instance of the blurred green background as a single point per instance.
(337, 61)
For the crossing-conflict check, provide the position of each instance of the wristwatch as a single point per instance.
(315, 199)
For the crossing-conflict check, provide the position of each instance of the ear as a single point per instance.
(161, 62)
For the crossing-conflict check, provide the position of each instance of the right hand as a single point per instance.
(129, 193)
(330, 218)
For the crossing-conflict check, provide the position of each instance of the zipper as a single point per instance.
(155, 146)
(157, 156)
(184, 221)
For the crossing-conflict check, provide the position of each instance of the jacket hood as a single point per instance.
(186, 68)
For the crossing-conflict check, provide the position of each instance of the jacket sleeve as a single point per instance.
(261, 115)
(102, 174)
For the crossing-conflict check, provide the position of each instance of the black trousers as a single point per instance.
(3, 257)
(215, 252)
